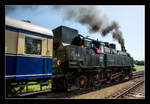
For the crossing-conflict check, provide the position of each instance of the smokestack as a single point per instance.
(123, 48)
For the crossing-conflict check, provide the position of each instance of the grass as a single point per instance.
(139, 67)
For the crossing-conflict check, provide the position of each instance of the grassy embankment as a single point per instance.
(139, 67)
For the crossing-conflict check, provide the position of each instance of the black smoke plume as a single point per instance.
(116, 34)
(92, 17)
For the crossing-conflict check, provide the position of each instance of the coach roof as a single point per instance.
(27, 26)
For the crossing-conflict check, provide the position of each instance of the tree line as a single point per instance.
(137, 62)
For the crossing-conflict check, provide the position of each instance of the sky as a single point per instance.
(131, 19)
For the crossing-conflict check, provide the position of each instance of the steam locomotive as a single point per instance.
(60, 59)
(84, 62)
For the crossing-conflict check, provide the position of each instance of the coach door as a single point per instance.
(47, 54)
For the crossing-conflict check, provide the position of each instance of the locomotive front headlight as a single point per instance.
(59, 62)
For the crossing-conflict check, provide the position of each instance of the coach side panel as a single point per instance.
(21, 62)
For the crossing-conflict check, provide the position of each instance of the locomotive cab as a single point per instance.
(87, 43)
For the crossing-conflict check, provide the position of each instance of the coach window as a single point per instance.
(33, 46)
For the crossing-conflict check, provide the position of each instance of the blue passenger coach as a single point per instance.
(28, 51)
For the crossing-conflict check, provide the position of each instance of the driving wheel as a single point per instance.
(81, 82)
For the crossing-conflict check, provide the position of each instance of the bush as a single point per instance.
(138, 62)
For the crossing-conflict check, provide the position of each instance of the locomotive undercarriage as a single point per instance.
(69, 81)
(89, 78)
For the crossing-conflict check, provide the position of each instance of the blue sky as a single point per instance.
(130, 18)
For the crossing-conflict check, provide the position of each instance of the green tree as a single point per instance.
(137, 62)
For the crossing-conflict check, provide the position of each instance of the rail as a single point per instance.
(129, 90)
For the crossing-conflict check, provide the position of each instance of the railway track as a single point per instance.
(70, 94)
(128, 90)
(138, 74)
(123, 92)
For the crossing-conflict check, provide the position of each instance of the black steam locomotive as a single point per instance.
(80, 62)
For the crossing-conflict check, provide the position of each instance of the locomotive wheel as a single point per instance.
(81, 82)
(128, 75)
(122, 76)
(109, 77)
(94, 78)
(117, 79)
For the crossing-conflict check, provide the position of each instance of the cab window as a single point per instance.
(102, 48)
(33, 46)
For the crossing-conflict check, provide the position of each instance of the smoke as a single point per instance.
(82, 14)
(109, 28)
(118, 36)
(92, 17)
(116, 33)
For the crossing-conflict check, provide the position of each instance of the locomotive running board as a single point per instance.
(35, 92)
